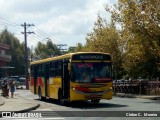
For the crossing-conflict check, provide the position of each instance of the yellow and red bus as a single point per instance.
(73, 77)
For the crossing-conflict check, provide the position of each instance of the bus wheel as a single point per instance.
(60, 98)
(40, 94)
(95, 101)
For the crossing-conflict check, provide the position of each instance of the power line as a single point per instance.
(41, 32)
(9, 22)
(37, 36)
(40, 35)
(41, 39)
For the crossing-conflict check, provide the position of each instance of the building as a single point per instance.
(4, 58)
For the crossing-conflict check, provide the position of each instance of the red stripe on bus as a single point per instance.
(32, 81)
(40, 83)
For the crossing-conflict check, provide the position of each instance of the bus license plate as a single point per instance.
(93, 95)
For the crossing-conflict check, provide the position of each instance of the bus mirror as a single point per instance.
(69, 66)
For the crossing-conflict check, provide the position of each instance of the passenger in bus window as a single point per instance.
(96, 71)
(104, 71)
(86, 77)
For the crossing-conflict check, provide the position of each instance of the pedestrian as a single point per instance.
(4, 88)
(12, 88)
(7, 91)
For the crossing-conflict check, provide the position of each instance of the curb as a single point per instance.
(151, 98)
(24, 110)
(124, 95)
(2, 103)
(28, 109)
(137, 96)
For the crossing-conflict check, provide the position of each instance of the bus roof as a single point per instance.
(69, 55)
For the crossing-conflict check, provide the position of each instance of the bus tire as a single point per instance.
(95, 101)
(40, 94)
(60, 98)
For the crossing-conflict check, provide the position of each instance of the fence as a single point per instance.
(144, 87)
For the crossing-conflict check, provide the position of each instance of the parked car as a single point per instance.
(14, 77)
(121, 81)
(22, 81)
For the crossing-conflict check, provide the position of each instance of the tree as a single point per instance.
(40, 51)
(140, 33)
(79, 48)
(71, 49)
(52, 49)
(46, 50)
(105, 38)
(16, 51)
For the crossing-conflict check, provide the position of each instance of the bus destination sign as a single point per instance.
(91, 57)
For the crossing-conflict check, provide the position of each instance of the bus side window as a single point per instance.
(52, 69)
(56, 68)
(59, 68)
(40, 70)
(35, 71)
(31, 71)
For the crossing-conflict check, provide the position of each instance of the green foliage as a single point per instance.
(16, 51)
(46, 50)
(140, 22)
(104, 38)
(79, 48)
(135, 45)
(71, 49)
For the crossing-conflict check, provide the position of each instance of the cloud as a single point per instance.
(75, 24)
(27, 6)
(65, 21)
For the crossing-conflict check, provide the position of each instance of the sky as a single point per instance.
(62, 21)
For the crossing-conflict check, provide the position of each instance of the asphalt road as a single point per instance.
(120, 105)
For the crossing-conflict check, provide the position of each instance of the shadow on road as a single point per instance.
(89, 105)
(84, 104)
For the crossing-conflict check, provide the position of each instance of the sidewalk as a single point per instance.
(17, 104)
(151, 97)
(1, 102)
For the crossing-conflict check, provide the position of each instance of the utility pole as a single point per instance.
(26, 52)
(60, 47)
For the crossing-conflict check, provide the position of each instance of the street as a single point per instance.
(116, 104)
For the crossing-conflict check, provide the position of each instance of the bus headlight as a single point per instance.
(73, 89)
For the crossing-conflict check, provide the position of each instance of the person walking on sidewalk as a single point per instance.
(4, 88)
(12, 88)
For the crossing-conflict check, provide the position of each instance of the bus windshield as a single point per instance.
(91, 72)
